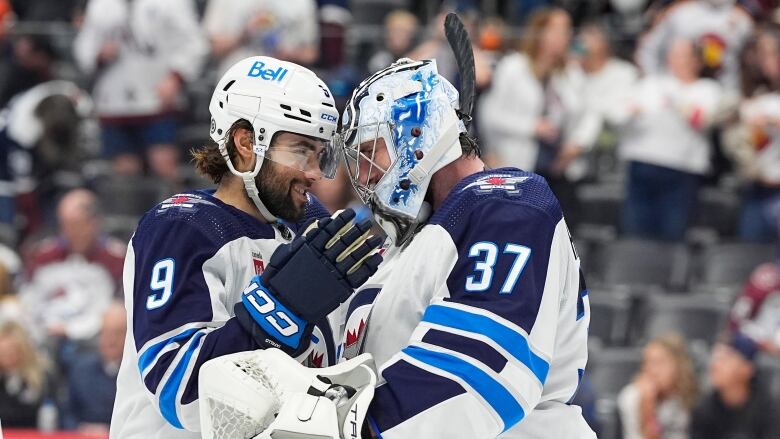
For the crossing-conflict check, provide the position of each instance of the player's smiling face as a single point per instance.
(282, 187)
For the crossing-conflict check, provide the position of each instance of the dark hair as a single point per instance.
(469, 146)
(209, 161)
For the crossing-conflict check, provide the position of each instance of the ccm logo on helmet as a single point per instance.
(328, 117)
(258, 70)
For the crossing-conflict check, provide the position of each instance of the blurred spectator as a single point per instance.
(141, 53)
(435, 46)
(754, 144)
(608, 82)
(30, 64)
(531, 118)
(10, 307)
(284, 29)
(42, 149)
(70, 279)
(756, 312)
(719, 28)
(738, 407)
(667, 146)
(22, 378)
(401, 29)
(92, 376)
(657, 404)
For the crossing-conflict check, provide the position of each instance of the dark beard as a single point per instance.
(274, 192)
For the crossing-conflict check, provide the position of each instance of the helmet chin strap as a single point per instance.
(249, 183)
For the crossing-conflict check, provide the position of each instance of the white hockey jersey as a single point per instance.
(154, 38)
(186, 266)
(479, 325)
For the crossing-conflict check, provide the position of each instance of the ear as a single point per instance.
(245, 156)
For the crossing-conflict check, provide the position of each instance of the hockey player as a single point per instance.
(210, 273)
(477, 318)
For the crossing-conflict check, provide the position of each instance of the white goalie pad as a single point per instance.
(267, 394)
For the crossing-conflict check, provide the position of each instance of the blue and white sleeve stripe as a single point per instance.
(487, 356)
(166, 364)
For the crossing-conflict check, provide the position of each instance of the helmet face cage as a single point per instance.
(360, 154)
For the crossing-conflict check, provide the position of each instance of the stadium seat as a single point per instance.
(698, 318)
(637, 263)
(717, 212)
(610, 315)
(727, 266)
(599, 212)
(610, 370)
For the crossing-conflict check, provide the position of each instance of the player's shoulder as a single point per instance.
(198, 214)
(501, 191)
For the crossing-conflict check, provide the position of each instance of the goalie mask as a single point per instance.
(274, 96)
(412, 109)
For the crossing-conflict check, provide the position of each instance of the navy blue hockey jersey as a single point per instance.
(186, 266)
(479, 325)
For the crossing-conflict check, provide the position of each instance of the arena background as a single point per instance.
(667, 167)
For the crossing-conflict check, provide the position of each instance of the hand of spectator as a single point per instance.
(108, 52)
(546, 130)
(569, 152)
(168, 90)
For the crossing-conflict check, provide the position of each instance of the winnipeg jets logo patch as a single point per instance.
(505, 182)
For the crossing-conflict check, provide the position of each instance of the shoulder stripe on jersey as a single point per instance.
(503, 403)
(171, 387)
(510, 340)
(150, 355)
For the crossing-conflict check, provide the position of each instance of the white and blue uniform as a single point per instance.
(186, 266)
(479, 325)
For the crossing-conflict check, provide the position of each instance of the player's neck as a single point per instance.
(447, 177)
(231, 191)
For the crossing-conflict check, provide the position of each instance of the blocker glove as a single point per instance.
(307, 279)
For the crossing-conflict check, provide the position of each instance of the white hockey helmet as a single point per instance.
(273, 96)
(413, 109)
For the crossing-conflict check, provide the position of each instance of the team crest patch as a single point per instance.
(505, 182)
(181, 201)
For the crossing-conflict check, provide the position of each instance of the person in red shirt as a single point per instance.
(76, 273)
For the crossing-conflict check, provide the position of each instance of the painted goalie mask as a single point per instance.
(412, 109)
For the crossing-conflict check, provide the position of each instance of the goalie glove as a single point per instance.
(306, 280)
(266, 394)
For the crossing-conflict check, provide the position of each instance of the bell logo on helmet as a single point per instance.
(258, 70)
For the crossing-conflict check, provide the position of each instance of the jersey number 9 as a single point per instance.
(162, 280)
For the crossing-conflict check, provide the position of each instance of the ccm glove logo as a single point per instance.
(272, 315)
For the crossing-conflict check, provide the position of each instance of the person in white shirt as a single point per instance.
(284, 29)
(531, 117)
(140, 54)
(754, 143)
(608, 81)
(667, 147)
(720, 28)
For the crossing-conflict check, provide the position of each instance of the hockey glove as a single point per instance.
(307, 279)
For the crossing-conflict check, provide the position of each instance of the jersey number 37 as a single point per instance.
(486, 255)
